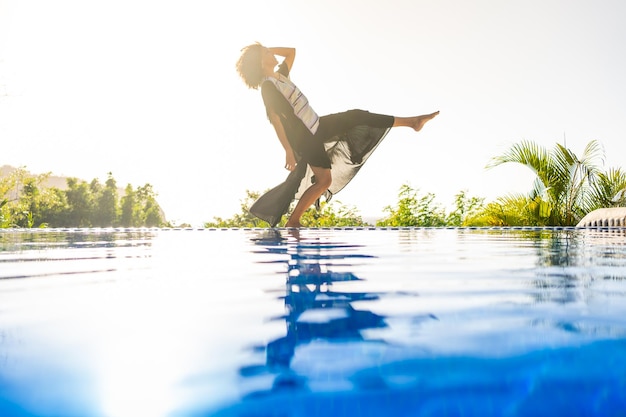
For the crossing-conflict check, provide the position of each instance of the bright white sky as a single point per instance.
(147, 90)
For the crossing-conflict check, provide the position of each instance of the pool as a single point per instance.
(316, 322)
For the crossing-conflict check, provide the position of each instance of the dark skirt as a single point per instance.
(315, 152)
(345, 140)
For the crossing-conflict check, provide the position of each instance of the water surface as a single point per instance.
(348, 322)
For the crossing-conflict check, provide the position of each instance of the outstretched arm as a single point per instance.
(288, 53)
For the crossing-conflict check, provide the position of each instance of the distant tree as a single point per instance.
(414, 210)
(28, 213)
(36, 206)
(106, 208)
(5, 219)
(150, 213)
(10, 189)
(129, 210)
(95, 190)
(466, 210)
(42, 207)
(19, 195)
(332, 214)
(53, 208)
(139, 208)
(26, 202)
(80, 201)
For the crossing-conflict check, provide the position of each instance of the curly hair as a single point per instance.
(249, 65)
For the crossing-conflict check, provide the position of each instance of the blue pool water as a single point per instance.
(323, 322)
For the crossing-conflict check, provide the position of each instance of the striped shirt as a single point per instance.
(298, 101)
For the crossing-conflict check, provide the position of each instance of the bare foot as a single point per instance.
(420, 121)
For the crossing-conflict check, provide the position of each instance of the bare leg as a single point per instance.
(416, 122)
(324, 177)
(323, 180)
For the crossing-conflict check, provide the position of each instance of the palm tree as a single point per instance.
(563, 189)
(609, 189)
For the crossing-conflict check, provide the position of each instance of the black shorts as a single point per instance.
(333, 125)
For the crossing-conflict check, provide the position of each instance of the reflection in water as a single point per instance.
(49, 253)
(326, 364)
(570, 263)
(315, 312)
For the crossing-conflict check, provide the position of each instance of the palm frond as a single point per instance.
(533, 156)
(593, 156)
(574, 176)
(608, 189)
(527, 153)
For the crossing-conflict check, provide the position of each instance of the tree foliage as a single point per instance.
(26, 202)
(565, 189)
(413, 209)
(105, 212)
(333, 214)
(466, 210)
(510, 210)
(566, 186)
(608, 189)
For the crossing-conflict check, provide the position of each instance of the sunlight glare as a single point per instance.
(140, 363)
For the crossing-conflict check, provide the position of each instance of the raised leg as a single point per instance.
(416, 122)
